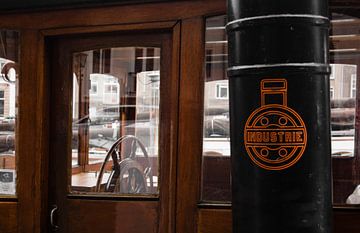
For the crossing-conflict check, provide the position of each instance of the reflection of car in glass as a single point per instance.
(104, 125)
(7, 137)
(107, 115)
(216, 123)
(343, 115)
(217, 127)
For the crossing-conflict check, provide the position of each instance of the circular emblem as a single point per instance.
(275, 137)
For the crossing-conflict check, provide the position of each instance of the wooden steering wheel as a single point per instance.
(127, 176)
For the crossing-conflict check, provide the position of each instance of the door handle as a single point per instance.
(52, 213)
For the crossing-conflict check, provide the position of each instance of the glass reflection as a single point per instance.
(345, 59)
(343, 103)
(116, 120)
(216, 141)
(9, 60)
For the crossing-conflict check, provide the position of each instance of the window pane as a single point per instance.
(345, 62)
(9, 60)
(116, 121)
(216, 142)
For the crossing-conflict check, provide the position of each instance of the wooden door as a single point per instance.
(113, 122)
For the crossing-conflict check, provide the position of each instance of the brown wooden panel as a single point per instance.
(216, 178)
(110, 15)
(190, 117)
(346, 221)
(220, 220)
(29, 129)
(77, 215)
(343, 178)
(109, 28)
(8, 220)
(215, 221)
(170, 131)
(110, 216)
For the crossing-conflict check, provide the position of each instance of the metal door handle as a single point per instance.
(52, 213)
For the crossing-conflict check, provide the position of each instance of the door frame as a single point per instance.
(167, 163)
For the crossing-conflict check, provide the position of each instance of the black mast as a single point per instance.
(280, 116)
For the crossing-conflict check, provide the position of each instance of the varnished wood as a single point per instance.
(26, 6)
(219, 220)
(346, 220)
(83, 21)
(190, 118)
(60, 128)
(30, 212)
(42, 124)
(109, 28)
(29, 133)
(110, 216)
(8, 213)
(215, 221)
(110, 15)
(169, 131)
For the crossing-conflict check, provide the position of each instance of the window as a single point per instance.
(111, 92)
(9, 58)
(353, 85)
(331, 92)
(110, 88)
(121, 108)
(94, 88)
(344, 55)
(222, 91)
(344, 59)
(216, 137)
(2, 103)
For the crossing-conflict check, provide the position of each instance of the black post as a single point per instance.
(280, 116)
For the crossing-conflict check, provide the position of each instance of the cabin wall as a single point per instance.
(27, 212)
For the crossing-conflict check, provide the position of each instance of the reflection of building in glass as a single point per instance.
(147, 109)
(217, 94)
(114, 74)
(343, 81)
(116, 97)
(343, 94)
(105, 90)
(7, 93)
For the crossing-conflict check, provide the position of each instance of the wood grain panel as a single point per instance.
(8, 220)
(215, 221)
(77, 215)
(190, 118)
(110, 15)
(110, 216)
(26, 215)
(25, 5)
(29, 134)
(346, 221)
(220, 220)
(169, 131)
(109, 28)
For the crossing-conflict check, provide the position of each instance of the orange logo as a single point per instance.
(275, 135)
